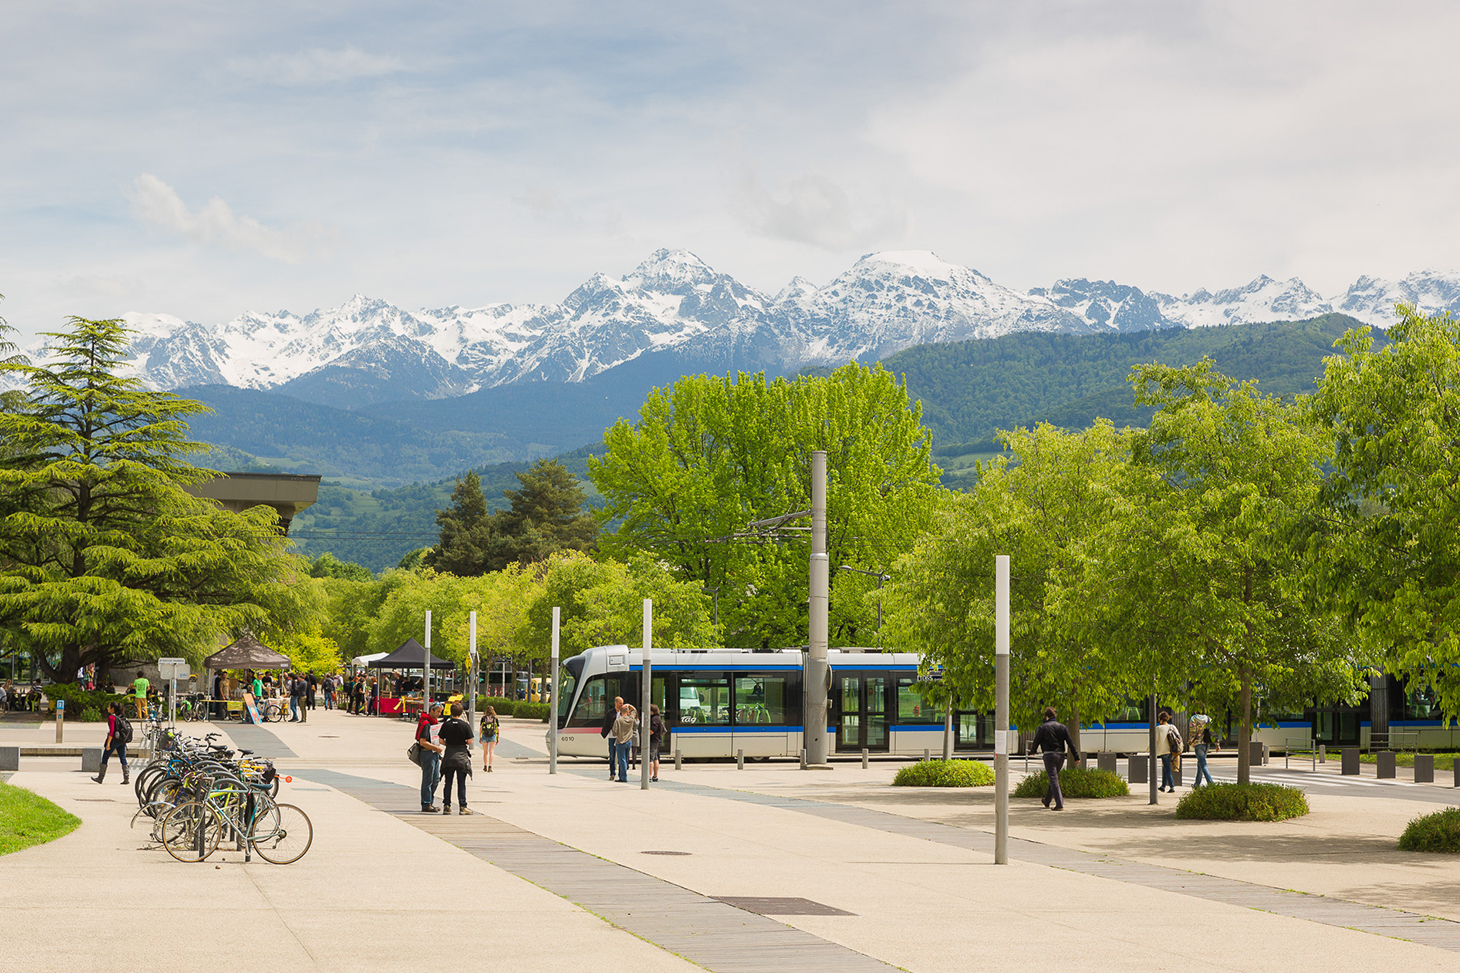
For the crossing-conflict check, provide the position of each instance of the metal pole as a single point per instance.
(948, 728)
(471, 689)
(553, 713)
(647, 679)
(1151, 770)
(818, 602)
(426, 665)
(1001, 709)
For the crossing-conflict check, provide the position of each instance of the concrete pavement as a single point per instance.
(374, 883)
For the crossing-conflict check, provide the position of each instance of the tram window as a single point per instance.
(912, 707)
(704, 700)
(597, 699)
(565, 697)
(760, 700)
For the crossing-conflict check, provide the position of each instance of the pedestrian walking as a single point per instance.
(293, 685)
(656, 736)
(491, 729)
(218, 706)
(1168, 748)
(606, 731)
(118, 735)
(374, 697)
(327, 690)
(1202, 743)
(139, 692)
(1053, 737)
(623, 734)
(427, 729)
(455, 760)
(311, 686)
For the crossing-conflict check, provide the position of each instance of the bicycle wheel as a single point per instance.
(276, 713)
(282, 835)
(191, 831)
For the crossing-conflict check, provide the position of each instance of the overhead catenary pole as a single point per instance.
(471, 682)
(646, 680)
(1151, 767)
(553, 711)
(1001, 709)
(426, 665)
(817, 687)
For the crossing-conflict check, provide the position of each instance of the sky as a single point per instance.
(203, 159)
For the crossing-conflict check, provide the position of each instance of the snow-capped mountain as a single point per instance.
(674, 305)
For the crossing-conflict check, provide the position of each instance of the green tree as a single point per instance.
(329, 566)
(710, 455)
(466, 531)
(602, 603)
(1211, 574)
(310, 652)
(1393, 501)
(546, 516)
(1050, 506)
(103, 554)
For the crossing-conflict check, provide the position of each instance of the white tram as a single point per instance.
(718, 701)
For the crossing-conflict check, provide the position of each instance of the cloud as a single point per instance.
(317, 65)
(215, 224)
(817, 211)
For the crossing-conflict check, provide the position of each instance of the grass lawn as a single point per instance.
(1443, 761)
(28, 819)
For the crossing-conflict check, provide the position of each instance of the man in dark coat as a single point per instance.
(606, 731)
(1053, 737)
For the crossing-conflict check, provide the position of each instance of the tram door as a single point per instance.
(861, 711)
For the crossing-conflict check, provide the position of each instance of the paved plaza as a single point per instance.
(769, 868)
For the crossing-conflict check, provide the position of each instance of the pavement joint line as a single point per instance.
(703, 931)
(1426, 930)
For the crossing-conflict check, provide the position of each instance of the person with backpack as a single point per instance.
(1168, 748)
(118, 735)
(623, 735)
(139, 692)
(491, 729)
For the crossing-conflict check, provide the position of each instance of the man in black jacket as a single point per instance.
(606, 731)
(1053, 737)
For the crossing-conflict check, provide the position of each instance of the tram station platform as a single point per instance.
(767, 868)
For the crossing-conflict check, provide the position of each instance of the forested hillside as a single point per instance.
(377, 528)
(971, 389)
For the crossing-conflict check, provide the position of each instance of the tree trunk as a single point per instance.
(1244, 728)
(1074, 726)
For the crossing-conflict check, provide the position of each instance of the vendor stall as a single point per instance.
(246, 652)
(411, 655)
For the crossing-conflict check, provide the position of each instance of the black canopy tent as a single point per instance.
(411, 655)
(246, 652)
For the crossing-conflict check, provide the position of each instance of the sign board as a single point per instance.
(173, 668)
(252, 709)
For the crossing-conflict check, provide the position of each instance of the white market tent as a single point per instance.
(365, 660)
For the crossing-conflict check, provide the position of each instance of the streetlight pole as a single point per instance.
(817, 672)
(553, 712)
(1001, 709)
(646, 695)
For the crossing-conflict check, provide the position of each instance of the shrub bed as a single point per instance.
(504, 707)
(945, 773)
(1075, 782)
(531, 711)
(1242, 802)
(28, 819)
(1439, 831)
(79, 701)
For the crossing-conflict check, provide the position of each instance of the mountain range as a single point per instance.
(676, 315)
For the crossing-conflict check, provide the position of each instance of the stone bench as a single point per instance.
(9, 759)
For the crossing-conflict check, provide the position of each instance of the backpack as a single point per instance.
(123, 731)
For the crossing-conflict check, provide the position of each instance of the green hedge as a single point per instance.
(945, 773)
(532, 711)
(1075, 782)
(1439, 831)
(80, 702)
(504, 707)
(1242, 802)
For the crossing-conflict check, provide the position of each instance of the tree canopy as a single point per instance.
(710, 455)
(103, 554)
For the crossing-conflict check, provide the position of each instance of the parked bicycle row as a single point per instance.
(198, 794)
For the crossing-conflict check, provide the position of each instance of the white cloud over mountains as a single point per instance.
(215, 224)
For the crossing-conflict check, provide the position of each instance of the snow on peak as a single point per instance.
(922, 263)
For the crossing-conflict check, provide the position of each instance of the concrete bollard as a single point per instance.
(1176, 772)
(1257, 756)
(1386, 764)
(803, 758)
(864, 758)
(739, 759)
(1136, 767)
(678, 764)
(1349, 761)
(927, 755)
(91, 760)
(1424, 768)
(1106, 761)
(9, 758)
(1323, 753)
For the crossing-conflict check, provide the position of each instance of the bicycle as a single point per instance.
(280, 833)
